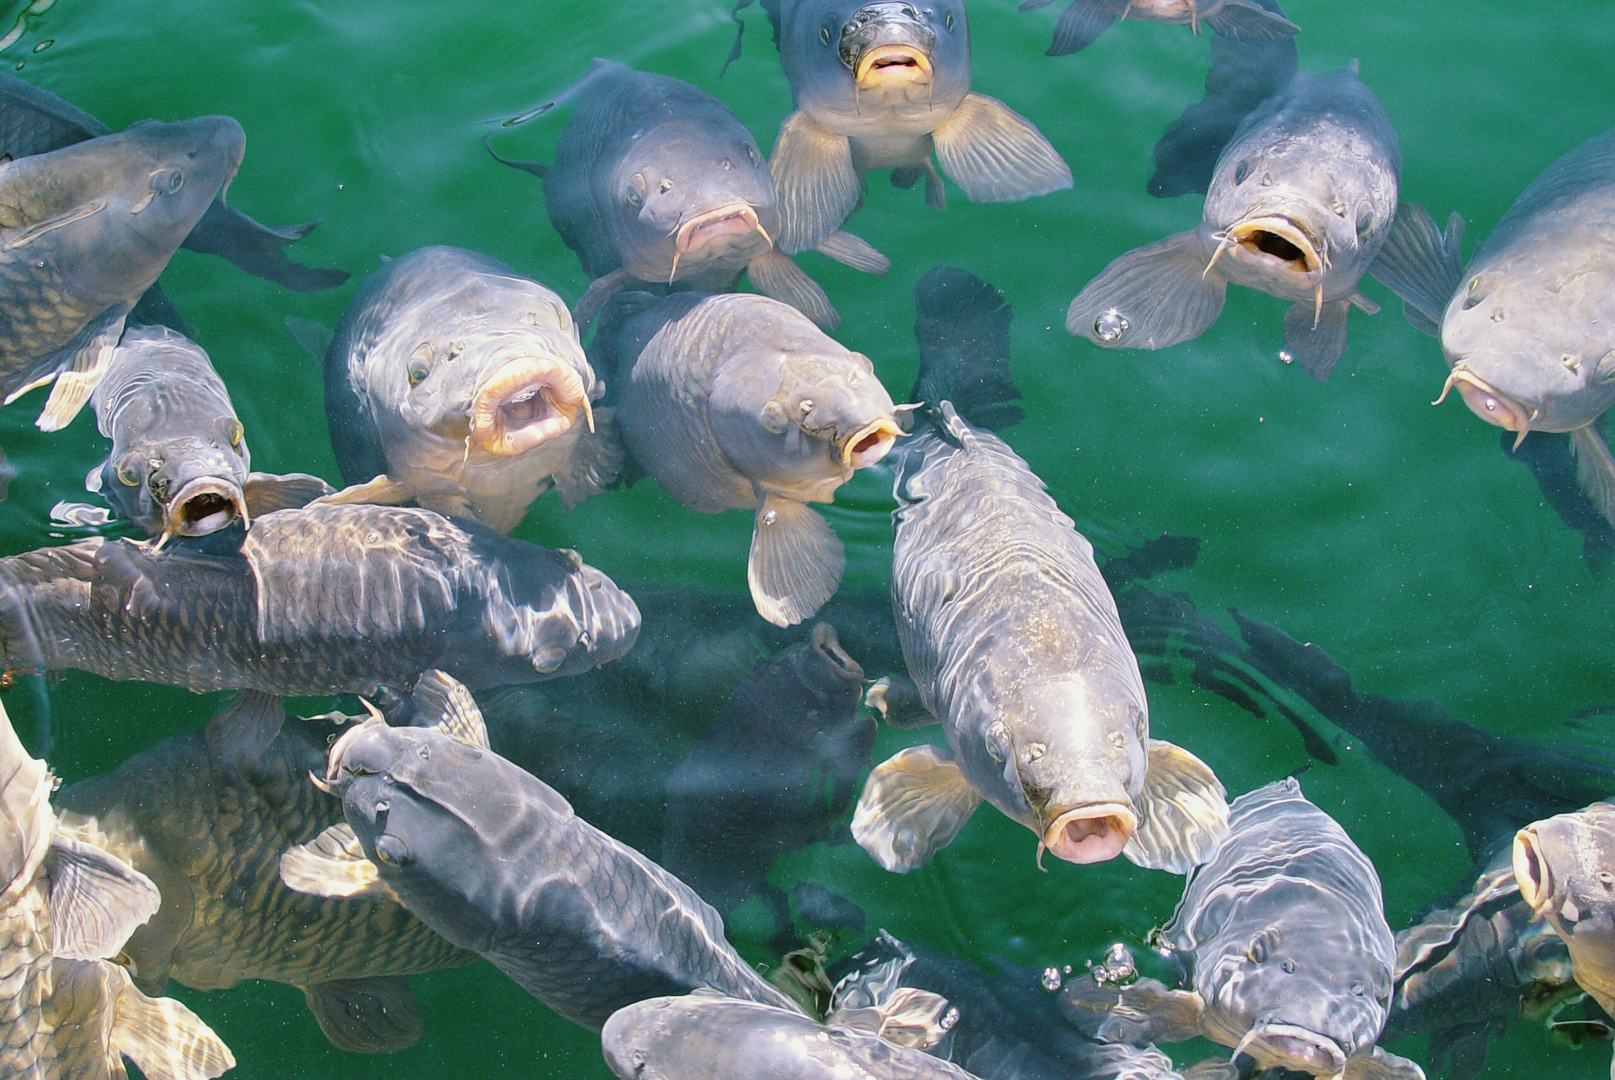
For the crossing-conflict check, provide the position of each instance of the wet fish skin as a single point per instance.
(1565, 868)
(423, 372)
(1237, 20)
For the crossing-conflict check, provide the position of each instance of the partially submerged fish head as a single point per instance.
(1565, 868)
(850, 60)
(185, 486)
(887, 44)
(1275, 1044)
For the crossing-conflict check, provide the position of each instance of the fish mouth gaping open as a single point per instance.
(721, 226)
(1531, 869)
(205, 505)
(1091, 834)
(1276, 242)
(1288, 1046)
(890, 64)
(527, 402)
(1487, 402)
(869, 444)
(887, 43)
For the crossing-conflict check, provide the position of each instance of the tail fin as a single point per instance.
(962, 326)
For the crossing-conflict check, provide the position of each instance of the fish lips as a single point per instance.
(1487, 402)
(1275, 1044)
(870, 443)
(719, 225)
(1090, 834)
(203, 506)
(887, 42)
(1276, 242)
(526, 402)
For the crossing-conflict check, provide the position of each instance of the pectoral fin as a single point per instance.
(595, 464)
(795, 563)
(1212, 1069)
(854, 251)
(910, 1017)
(1080, 25)
(1378, 1064)
(1150, 298)
(1421, 264)
(914, 804)
(815, 182)
(332, 864)
(1183, 812)
(595, 296)
(96, 899)
(1595, 469)
(366, 1016)
(443, 703)
(240, 734)
(996, 154)
(267, 492)
(1242, 20)
(1146, 1011)
(774, 274)
(78, 367)
(382, 491)
(313, 336)
(899, 702)
(1315, 337)
(936, 196)
(164, 1038)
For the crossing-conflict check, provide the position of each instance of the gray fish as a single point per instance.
(211, 841)
(1083, 21)
(1285, 941)
(1300, 201)
(456, 383)
(65, 905)
(35, 121)
(321, 600)
(87, 229)
(495, 861)
(1014, 642)
(655, 181)
(179, 464)
(738, 401)
(882, 85)
(1526, 326)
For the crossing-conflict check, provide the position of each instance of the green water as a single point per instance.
(1351, 514)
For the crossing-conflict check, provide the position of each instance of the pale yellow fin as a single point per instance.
(995, 154)
(1378, 1064)
(1146, 1011)
(164, 1038)
(1150, 297)
(795, 563)
(267, 492)
(1184, 812)
(911, 1017)
(913, 805)
(854, 251)
(366, 1016)
(815, 182)
(775, 275)
(381, 491)
(442, 702)
(1213, 1068)
(26, 822)
(332, 864)
(96, 899)
(1595, 469)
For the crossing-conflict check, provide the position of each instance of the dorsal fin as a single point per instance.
(442, 703)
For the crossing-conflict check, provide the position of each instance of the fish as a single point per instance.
(1300, 201)
(66, 906)
(179, 464)
(655, 182)
(35, 121)
(735, 401)
(1083, 21)
(458, 384)
(1287, 951)
(1013, 640)
(1525, 327)
(882, 84)
(86, 230)
(211, 841)
(493, 859)
(319, 600)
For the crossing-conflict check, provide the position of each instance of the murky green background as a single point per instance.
(1352, 514)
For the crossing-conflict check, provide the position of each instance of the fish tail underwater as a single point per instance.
(1239, 704)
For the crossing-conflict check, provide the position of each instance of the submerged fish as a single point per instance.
(65, 905)
(1528, 327)
(495, 861)
(882, 85)
(87, 229)
(179, 464)
(457, 383)
(1300, 201)
(1285, 943)
(35, 121)
(1014, 641)
(655, 181)
(1083, 21)
(211, 840)
(736, 401)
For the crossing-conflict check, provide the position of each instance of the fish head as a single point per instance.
(814, 689)
(843, 56)
(688, 195)
(185, 486)
(1565, 868)
(641, 1040)
(806, 417)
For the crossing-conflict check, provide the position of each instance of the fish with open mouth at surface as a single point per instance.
(1083, 21)
(1300, 201)
(882, 85)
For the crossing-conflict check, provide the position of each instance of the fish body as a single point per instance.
(496, 861)
(1083, 21)
(1565, 869)
(87, 230)
(457, 383)
(1300, 201)
(1014, 642)
(884, 85)
(738, 401)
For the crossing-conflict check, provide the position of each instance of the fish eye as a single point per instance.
(998, 742)
(1365, 223)
(418, 368)
(751, 154)
(1257, 951)
(393, 851)
(1242, 170)
(635, 194)
(824, 34)
(235, 432)
(127, 475)
(168, 181)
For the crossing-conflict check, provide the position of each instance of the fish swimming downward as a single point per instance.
(737, 401)
(656, 182)
(1013, 638)
(66, 1013)
(1300, 201)
(1528, 327)
(493, 859)
(1083, 21)
(882, 85)
(458, 384)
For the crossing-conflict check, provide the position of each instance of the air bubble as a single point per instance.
(1052, 979)
(1286, 357)
(770, 517)
(1110, 325)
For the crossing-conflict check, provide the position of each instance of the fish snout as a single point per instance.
(1487, 402)
(1274, 1044)
(870, 443)
(1531, 870)
(828, 645)
(887, 42)
(526, 402)
(1278, 242)
(202, 506)
(1091, 834)
(722, 223)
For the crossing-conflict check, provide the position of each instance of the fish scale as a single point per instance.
(25, 963)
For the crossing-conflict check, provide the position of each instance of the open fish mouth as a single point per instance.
(1290, 1046)
(1091, 834)
(527, 402)
(1531, 869)
(205, 505)
(732, 219)
(892, 63)
(1276, 242)
(1487, 402)
(869, 444)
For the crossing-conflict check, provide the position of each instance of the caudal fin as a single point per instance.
(962, 326)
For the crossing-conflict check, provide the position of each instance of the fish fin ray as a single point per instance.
(1595, 469)
(1147, 1011)
(1363, 304)
(775, 275)
(164, 1038)
(1241, 20)
(77, 368)
(259, 249)
(1380, 1064)
(961, 324)
(27, 826)
(595, 464)
(1161, 290)
(815, 181)
(936, 194)
(854, 251)
(906, 177)
(315, 337)
(913, 805)
(1080, 25)
(909, 1017)
(1317, 348)
(378, 1015)
(1183, 812)
(239, 734)
(1421, 264)
(267, 492)
(333, 864)
(446, 705)
(380, 491)
(995, 154)
(600, 290)
(796, 561)
(96, 899)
